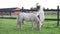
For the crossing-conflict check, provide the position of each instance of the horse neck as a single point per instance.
(40, 10)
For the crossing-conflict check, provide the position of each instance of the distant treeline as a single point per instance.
(50, 9)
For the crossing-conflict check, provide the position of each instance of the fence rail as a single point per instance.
(44, 10)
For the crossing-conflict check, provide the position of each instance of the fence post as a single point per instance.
(22, 9)
(58, 15)
(10, 13)
(2, 14)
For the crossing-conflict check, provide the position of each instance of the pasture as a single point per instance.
(8, 26)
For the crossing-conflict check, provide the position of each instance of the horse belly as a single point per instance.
(26, 18)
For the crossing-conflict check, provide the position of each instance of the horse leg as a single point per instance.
(39, 25)
(42, 24)
(18, 24)
(32, 25)
(23, 21)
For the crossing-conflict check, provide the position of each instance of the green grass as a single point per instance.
(8, 26)
(51, 16)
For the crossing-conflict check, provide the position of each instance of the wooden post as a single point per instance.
(22, 9)
(58, 15)
(10, 13)
(2, 14)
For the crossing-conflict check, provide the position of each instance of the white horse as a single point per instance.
(29, 17)
(33, 17)
(40, 13)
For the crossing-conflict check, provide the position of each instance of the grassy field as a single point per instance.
(8, 26)
(51, 16)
